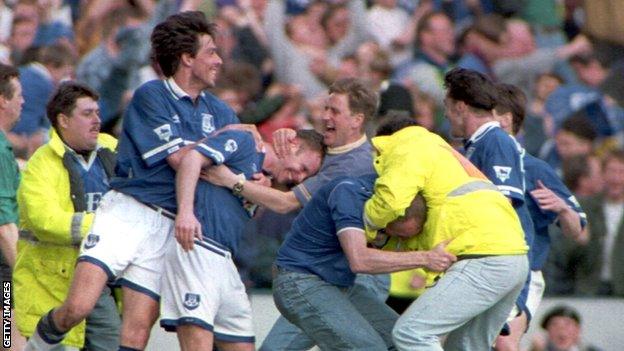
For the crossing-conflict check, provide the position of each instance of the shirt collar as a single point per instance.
(346, 148)
(36, 66)
(175, 90)
(481, 131)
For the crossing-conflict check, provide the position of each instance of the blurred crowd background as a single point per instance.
(281, 55)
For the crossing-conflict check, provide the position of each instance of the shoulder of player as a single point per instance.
(214, 101)
(149, 90)
(498, 138)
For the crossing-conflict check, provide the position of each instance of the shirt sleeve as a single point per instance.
(550, 180)
(8, 201)
(345, 202)
(304, 191)
(227, 146)
(150, 127)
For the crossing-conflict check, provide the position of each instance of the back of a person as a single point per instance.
(312, 245)
(222, 214)
(462, 204)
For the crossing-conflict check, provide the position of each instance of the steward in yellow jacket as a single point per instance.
(55, 214)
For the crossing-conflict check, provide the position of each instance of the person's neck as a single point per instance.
(350, 140)
(474, 122)
(4, 126)
(184, 81)
(439, 58)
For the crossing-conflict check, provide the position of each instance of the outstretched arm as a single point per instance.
(366, 260)
(277, 200)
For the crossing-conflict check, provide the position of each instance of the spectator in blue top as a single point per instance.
(39, 80)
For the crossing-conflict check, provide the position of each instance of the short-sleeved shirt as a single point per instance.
(159, 121)
(500, 158)
(352, 160)
(222, 214)
(9, 181)
(537, 169)
(312, 246)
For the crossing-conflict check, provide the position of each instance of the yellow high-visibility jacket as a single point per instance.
(47, 255)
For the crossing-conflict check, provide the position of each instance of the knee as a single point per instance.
(507, 343)
(406, 338)
(400, 335)
(136, 337)
(136, 332)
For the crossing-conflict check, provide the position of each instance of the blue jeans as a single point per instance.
(333, 318)
(470, 303)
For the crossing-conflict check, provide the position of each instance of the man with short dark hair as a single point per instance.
(548, 202)
(11, 101)
(163, 116)
(61, 188)
(471, 301)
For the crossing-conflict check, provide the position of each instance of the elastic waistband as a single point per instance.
(162, 211)
(472, 187)
(214, 247)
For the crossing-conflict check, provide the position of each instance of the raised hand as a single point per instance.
(547, 200)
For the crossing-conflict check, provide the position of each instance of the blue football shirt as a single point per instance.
(312, 245)
(537, 169)
(222, 214)
(159, 121)
(500, 158)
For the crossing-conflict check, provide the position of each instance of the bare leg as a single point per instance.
(86, 288)
(139, 315)
(235, 346)
(194, 338)
(511, 342)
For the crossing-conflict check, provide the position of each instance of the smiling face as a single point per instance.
(340, 125)
(296, 168)
(206, 64)
(80, 129)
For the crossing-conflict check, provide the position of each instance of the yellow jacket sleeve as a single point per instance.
(402, 174)
(44, 202)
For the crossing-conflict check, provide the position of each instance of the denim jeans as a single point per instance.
(333, 318)
(470, 303)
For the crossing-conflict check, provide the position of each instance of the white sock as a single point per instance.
(36, 343)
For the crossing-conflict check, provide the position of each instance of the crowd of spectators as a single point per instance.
(281, 55)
